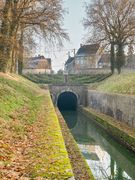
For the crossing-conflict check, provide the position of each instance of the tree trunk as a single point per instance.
(120, 59)
(112, 58)
(8, 34)
(13, 65)
(5, 41)
(21, 50)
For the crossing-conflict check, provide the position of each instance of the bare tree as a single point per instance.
(111, 22)
(43, 17)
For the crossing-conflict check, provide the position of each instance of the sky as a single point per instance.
(74, 28)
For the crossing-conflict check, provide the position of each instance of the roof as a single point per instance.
(36, 65)
(37, 58)
(39, 62)
(88, 49)
(70, 59)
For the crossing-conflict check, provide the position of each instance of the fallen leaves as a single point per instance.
(33, 150)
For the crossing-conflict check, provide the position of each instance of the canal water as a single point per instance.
(106, 158)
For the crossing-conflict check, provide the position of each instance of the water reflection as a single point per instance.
(107, 158)
(70, 120)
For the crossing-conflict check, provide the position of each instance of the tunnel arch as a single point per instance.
(67, 100)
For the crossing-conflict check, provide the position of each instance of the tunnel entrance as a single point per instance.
(67, 101)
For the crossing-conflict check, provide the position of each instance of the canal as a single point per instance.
(106, 158)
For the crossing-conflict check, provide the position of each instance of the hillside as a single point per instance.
(121, 84)
(72, 79)
(31, 142)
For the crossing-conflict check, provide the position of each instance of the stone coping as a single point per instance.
(120, 131)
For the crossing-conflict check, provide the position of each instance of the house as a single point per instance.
(69, 65)
(88, 58)
(38, 65)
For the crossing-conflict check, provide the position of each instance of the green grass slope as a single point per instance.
(45, 79)
(121, 84)
(72, 79)
(31, 142)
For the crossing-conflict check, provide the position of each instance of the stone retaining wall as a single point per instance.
(121, 107)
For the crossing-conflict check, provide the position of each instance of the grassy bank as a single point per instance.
(120, 131)
(80, 168)
(31, 142)
(72, 79)
(45, 79)
(122, 84)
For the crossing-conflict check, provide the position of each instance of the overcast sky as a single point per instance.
(74, 27)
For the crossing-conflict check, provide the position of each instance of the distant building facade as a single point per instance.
(70, 65)
(38, 65)
(88, 58)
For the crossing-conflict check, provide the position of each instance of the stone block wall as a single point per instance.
(121, 107)
(79, 90)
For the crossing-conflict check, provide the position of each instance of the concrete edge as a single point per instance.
(113, 129)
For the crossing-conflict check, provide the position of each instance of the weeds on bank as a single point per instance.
(31, 144)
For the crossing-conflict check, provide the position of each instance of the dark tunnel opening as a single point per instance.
(67, 101)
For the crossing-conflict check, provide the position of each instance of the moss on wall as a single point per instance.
(120, 131)
(80, 167)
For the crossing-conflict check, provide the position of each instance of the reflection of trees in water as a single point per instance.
(112, 166)
(87, 133)
(116, 172)
(70, 118)
(103, 172)
(119, 174)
